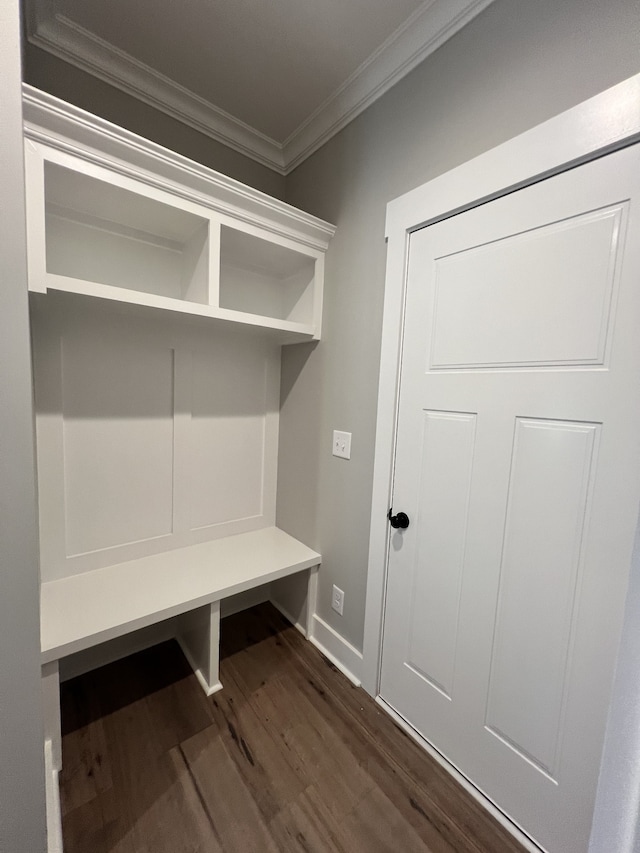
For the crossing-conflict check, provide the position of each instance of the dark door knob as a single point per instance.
(401, 520)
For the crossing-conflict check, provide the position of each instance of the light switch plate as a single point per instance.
(342, 444)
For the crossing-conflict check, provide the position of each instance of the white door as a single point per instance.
(518, 464)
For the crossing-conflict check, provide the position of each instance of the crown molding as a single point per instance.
(421, 34)
(79, 47)
(433, 23)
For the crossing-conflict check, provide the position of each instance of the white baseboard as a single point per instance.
(296, 624)
(520, 836)
(209, 689)
(54, 816)
(338, 650)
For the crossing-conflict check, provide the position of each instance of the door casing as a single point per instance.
(598, 126)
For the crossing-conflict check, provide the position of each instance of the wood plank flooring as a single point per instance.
(289, 756)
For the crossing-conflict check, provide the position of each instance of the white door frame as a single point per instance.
(602, 124)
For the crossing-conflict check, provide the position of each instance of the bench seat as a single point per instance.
(83, 610)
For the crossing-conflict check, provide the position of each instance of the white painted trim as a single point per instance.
(312, 597)
(54, 815)
(51, 707)
(64, 127)
(339, 651)
(432, 23)
(523, 839)
(81, 48)
(88, 52)
(601, 124)
(384, 460)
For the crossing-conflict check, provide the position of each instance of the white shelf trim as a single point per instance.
(58, 133)
(282, 330)
(67, 128)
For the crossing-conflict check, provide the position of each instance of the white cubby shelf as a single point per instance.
(117, 218)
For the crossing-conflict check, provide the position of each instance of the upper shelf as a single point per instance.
(103, 226)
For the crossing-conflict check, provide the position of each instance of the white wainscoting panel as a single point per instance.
(117, 444)
(227, 431)
(151, 435)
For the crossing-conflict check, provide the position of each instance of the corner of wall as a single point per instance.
(335, 648)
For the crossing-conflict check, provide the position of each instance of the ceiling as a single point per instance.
(274, 80)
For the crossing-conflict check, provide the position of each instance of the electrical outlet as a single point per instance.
(337, 600)
(342, 444)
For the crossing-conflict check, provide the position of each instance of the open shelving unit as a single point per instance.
(98, 233)
(99, 228)
(266, 279)
(156, 420)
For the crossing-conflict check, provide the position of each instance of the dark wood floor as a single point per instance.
(288, 757)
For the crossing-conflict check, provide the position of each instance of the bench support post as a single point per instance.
(199, 638)
(51, 708)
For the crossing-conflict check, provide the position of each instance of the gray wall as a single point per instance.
(22, 804)
(58, 78)
(517, 64)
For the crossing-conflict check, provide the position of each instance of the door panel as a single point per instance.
(548, 491)
(445, 477)
(518, 461)
(508, 289)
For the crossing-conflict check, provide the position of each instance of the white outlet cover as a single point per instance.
(341, 444)
(337, 599)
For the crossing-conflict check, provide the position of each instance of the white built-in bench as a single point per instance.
(161, 295)
(84, 610)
